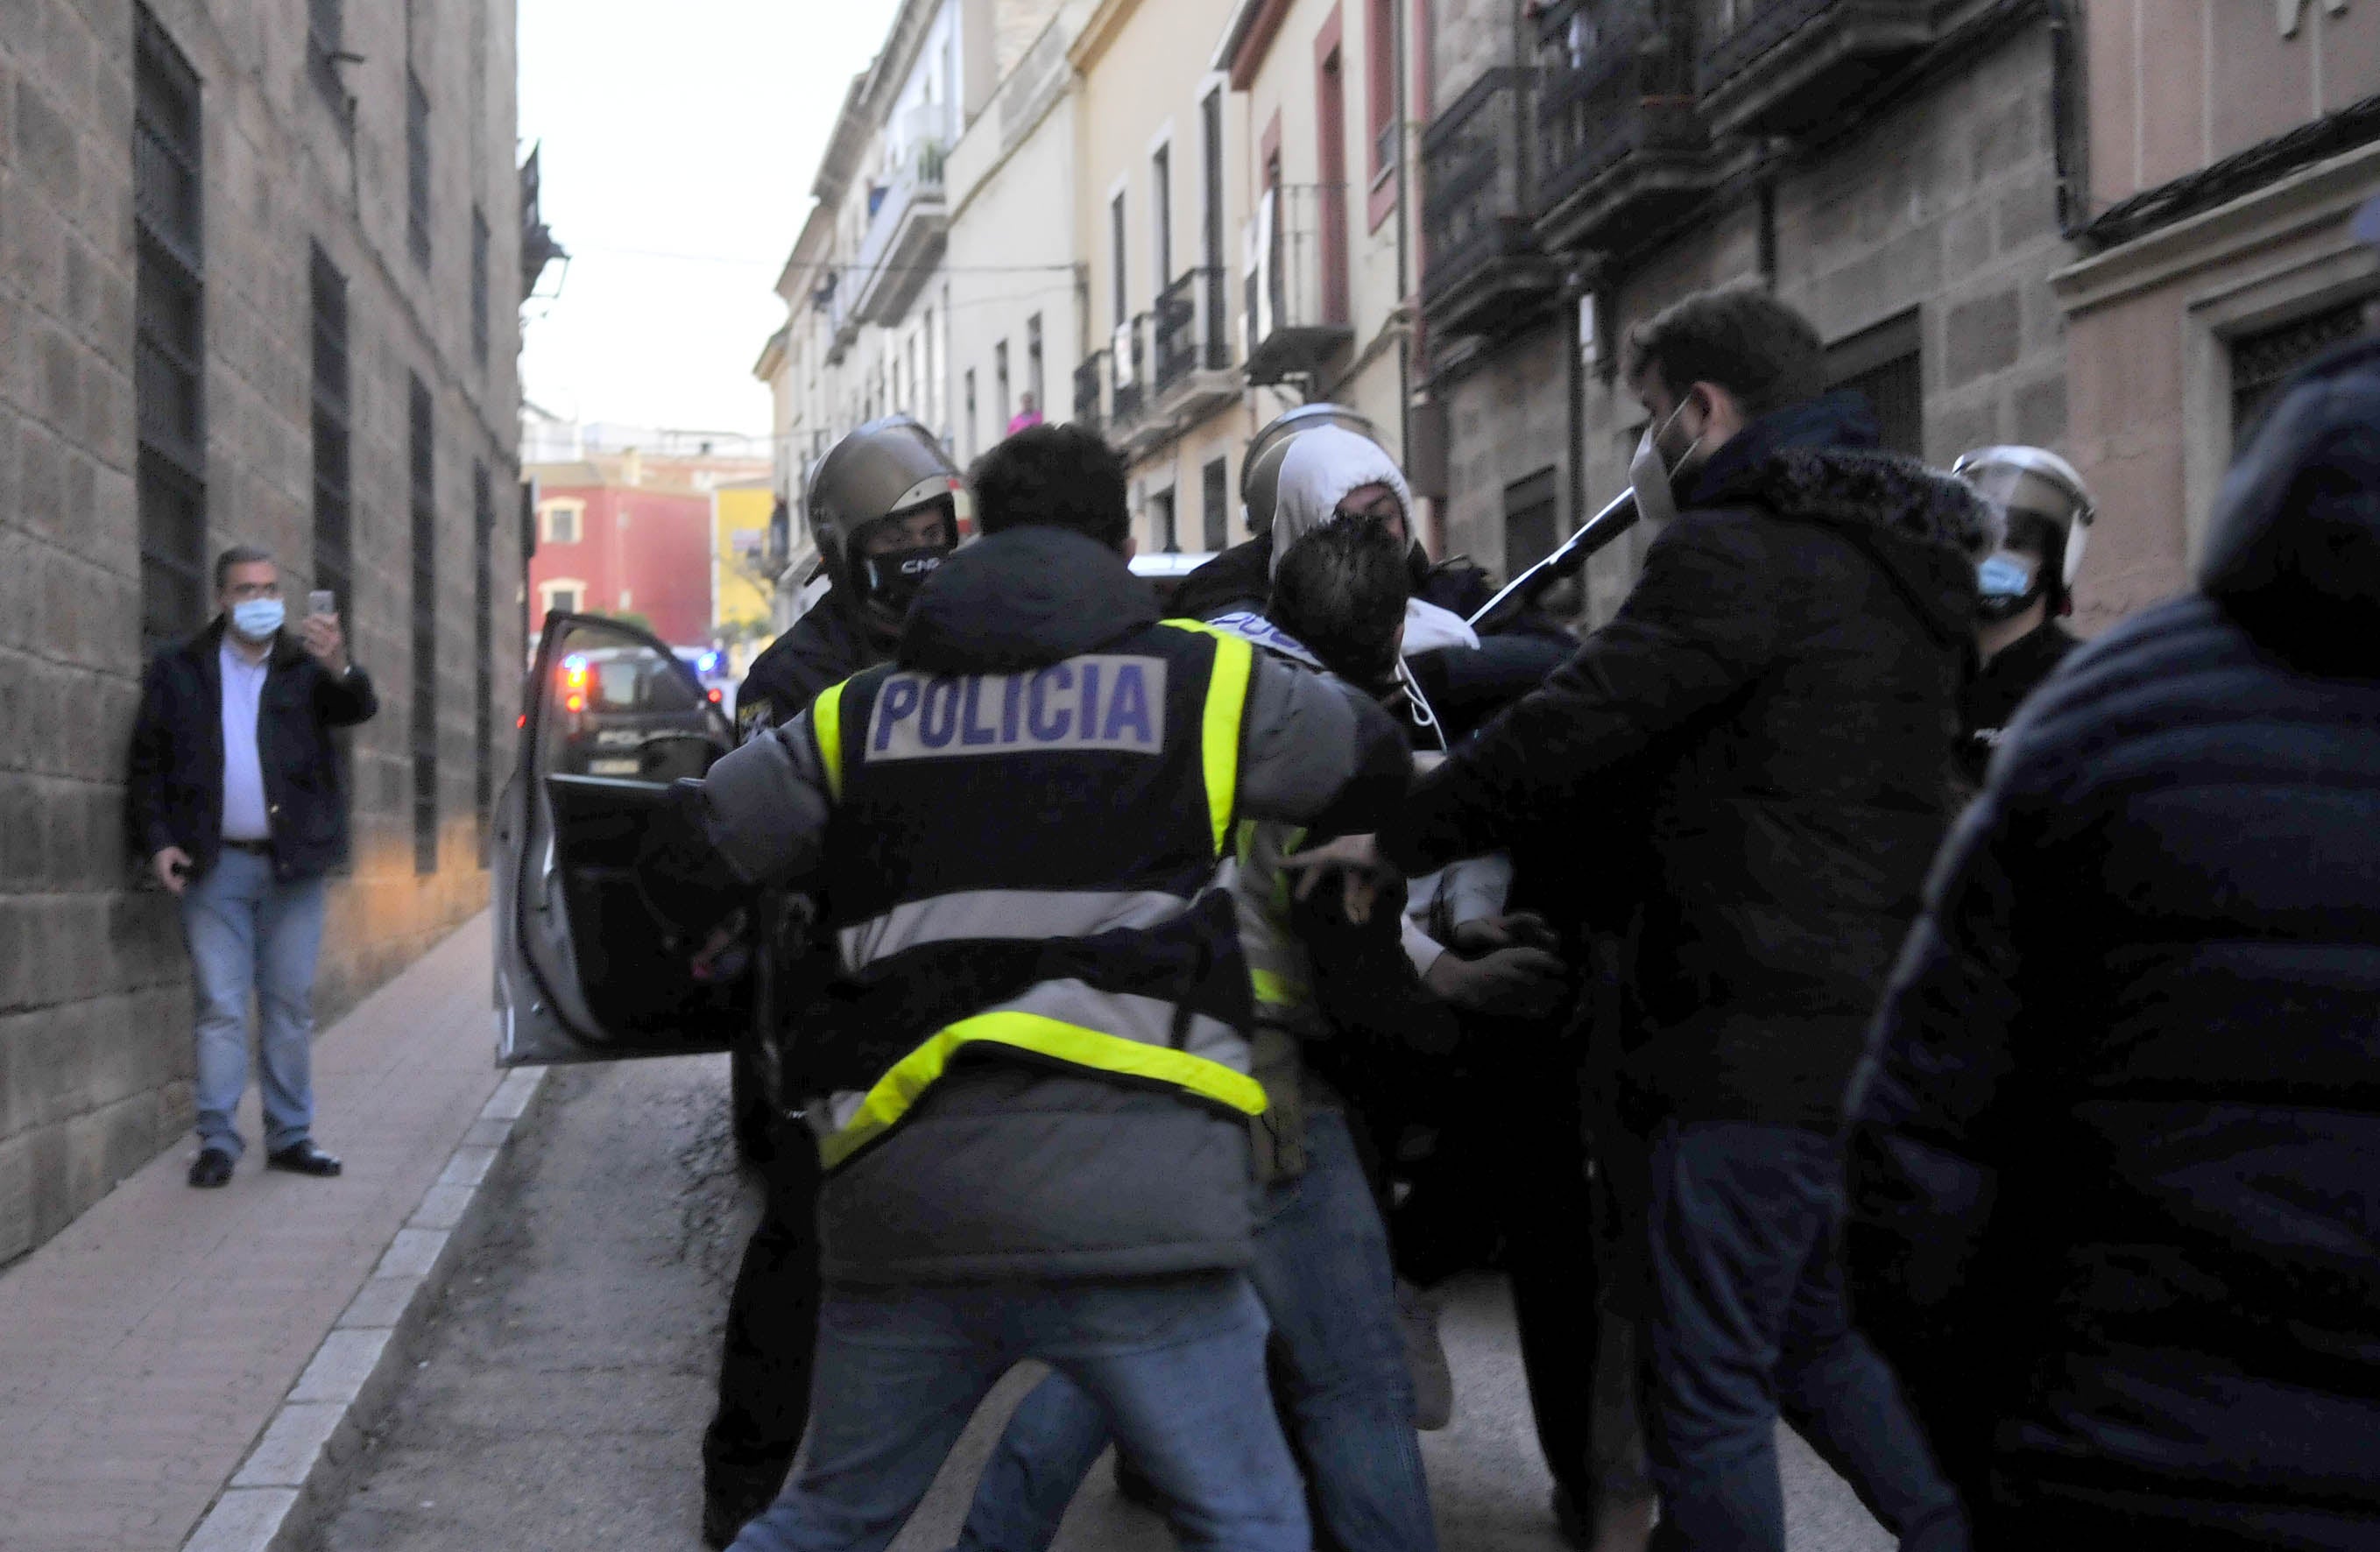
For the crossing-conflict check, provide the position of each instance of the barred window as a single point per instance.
(483, 649)
(169, 345)
(333, 472)
(2262, 362)
(479, 286)
(425, 635)
(1886, 363)
(417, 169)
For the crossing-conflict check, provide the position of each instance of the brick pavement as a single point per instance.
(143, 1349)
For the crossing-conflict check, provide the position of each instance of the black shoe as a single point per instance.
(302, 1159)
(1133, 1485)
(723, 1517)
(211, 1169)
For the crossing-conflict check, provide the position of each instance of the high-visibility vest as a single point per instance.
(1033, 865)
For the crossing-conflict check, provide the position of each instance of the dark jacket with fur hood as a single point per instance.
(1756, 749)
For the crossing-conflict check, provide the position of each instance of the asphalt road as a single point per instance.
(564, 1380)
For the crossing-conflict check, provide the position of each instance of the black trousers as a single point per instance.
(1510, 1168)
(764, 1365)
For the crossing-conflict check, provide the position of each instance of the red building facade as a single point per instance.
(626, 536)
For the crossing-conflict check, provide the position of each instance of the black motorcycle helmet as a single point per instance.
(887, 469)
(1260, 470)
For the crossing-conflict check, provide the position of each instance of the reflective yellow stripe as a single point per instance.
(1279, 990)
(898, 1091)
(1227, 698)
(826, 725)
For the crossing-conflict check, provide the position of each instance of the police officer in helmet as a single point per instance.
(884, 505)
(2027, 587)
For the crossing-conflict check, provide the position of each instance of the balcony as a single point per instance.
(1789, 65)
(1194, 360)
(1622, 151)
(1089, 379)
(1127, 356)
(1296, 299)
(905, 236)
(1481, 267)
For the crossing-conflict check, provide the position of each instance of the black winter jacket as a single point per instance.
(2115, 1163)
(1761, 737)
(173, 793)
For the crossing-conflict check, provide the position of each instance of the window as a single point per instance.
(1033, 365)
(333, 472)
(479, 286)
(425, 632)
(1000, 385)
(484, 650)
(1210, 120)
(1330, 157)
(326, 38)
(1529, 537)
(1160, 521)
(417, 169)
(1115, 257)
(1884, 363)
(972, 444)
(1214, 509)
(1161, 214)
(1380, 89)
(2262, 362)
(169, 343)
(561, 522)
(560, 597)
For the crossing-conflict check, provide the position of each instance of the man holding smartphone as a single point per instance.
(236, 798)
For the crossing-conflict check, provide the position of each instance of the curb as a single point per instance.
(321, 1423)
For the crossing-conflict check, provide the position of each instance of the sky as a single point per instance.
(679, 144)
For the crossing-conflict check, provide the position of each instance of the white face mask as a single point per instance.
(1654, 482)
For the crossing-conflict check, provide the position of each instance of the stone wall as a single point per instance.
(1944, 203)
(95, 1058)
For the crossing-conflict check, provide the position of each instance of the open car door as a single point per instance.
(584, 970)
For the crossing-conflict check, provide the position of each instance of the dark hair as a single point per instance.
(1059, 477)
(239, 555)
(1738, 336)
(1342, 589)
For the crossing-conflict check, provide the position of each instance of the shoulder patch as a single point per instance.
(1107, 701)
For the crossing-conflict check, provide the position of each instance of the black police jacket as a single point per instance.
(173, 793)
(1991, 697)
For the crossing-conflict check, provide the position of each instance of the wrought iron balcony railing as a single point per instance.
(1128, 371)
(1089, 379)
(1189, 327)
(1297, 284)
(1781, 66)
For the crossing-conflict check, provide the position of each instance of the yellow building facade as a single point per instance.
(741, 586)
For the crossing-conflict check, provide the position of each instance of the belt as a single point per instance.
(257, 848)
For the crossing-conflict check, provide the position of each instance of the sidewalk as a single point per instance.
(144, 1350)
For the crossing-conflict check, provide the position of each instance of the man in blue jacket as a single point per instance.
(236, 800)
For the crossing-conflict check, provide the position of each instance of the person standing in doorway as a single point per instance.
(234, 798)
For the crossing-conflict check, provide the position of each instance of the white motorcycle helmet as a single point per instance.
(2030, 487)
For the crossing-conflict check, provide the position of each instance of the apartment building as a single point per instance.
(1159, 191)
(257, 271)
(1902, 172)
(2229, 145)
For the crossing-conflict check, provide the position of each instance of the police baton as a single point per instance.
(1567, 559)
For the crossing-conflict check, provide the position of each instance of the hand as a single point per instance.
(1510, 983)
(1519, 929)
(1357, 862)
(724, 937)
(172, 866)
(325, 642)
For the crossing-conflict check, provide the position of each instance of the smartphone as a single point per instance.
(322, 601)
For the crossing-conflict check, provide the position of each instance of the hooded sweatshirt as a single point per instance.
(1320, 468)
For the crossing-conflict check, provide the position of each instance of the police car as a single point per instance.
(1165, 572)
(585, 971)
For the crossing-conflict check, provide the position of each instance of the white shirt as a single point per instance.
(244, 816)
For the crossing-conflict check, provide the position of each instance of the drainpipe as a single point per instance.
(1573, 289)
(1400, 12)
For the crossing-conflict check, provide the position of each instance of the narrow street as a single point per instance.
(564, 1380)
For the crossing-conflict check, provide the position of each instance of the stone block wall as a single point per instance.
(95, 1059)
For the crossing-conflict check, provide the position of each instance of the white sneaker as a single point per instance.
(1433, 1382)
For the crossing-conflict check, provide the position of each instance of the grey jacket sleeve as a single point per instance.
(765, 805)
(1318, 752)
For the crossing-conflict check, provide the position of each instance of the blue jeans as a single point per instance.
(1176, 1364)
(1748, 1320)
(1322, 1271)
(250, 933)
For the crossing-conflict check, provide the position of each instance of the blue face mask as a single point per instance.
(2004, 576)
(257, 619)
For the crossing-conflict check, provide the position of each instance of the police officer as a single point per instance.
(883, 506)
(1033, 1064)
(2027, 587)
